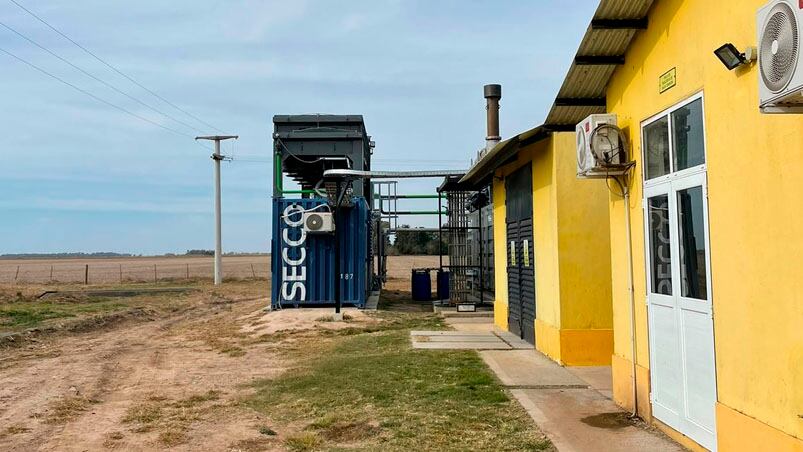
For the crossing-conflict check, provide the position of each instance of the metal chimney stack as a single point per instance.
(492, 95)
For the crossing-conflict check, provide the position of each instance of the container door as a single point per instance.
(521, 260)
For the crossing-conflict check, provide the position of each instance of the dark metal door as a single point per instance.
(513, 295)
(520, 256)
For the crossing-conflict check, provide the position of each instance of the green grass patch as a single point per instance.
(34, 313)
(370, 390)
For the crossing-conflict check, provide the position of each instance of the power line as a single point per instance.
(110, 66)
(81, 90)
(93, 77)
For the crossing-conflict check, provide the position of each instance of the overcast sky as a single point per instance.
(79, 175)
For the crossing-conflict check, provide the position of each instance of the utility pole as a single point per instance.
(218, 241)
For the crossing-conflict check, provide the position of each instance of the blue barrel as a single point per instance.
(443, 285)
(422, 284)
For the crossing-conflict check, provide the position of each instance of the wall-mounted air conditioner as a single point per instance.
(780, 77)
(319, 222)
(601, 149)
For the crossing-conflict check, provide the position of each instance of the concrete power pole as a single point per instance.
(218, 241)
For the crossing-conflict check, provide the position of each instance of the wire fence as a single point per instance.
(109, 273)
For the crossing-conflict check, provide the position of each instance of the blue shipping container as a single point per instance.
(303, 263)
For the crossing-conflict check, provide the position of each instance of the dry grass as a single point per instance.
(15, 429)
(171, 419)
(304, 441)
(67, 408)
(133, 269)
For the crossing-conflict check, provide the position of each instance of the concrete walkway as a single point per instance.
(572, 406)
(467, 340)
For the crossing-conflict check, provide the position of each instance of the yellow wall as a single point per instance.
(500, 254)
(583, 241)
(572, 255)
(755, 184)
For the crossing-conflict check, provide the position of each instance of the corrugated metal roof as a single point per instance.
(608, 36)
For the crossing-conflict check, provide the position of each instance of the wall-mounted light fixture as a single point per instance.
(732, 58)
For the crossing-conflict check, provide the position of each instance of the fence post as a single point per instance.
(121, 273)
(188, 271)
(16, 275)
(154, 273)
(51, 273)
(86, 274)
(253, 273)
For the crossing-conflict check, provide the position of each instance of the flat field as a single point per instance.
(129, 269)
(165, 268)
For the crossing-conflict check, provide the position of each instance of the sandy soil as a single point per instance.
(171, 381)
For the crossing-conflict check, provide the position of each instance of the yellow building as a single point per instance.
(551, 248)
(714, 219)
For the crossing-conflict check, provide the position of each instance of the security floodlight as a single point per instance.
(732, 58)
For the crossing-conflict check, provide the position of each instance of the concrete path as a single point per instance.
(572, 406)
(466, 340)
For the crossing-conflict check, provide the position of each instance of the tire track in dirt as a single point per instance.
(111, 371)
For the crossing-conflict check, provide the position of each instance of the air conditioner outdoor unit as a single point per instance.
(780, 78)
(600, 150)
(319, 222)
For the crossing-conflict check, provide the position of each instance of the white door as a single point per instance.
(683, 374)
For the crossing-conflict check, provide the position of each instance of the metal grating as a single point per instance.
(458, 245)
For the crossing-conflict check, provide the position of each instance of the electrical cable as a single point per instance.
(290, 153)
(97, 79)
(99, 99)
(306, 210)
(112, 67)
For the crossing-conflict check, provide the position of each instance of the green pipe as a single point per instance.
(421, 212)
(410, 197)
(277, 173)
(298, 192)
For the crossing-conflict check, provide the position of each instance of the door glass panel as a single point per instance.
(691, 234)
(656, 148)
(687, 135)
(660, 253)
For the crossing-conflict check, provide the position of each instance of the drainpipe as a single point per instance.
(626, 196)
(492, 95)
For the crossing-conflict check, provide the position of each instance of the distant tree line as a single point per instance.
(414, 242)
(199, 253)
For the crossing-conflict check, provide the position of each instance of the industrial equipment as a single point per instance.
(313, 264)
(780, 78)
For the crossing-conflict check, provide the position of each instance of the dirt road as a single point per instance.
(141, 386)
(173, 378)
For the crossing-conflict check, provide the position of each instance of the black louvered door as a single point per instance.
(520, 253)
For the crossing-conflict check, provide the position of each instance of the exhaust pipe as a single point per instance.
(492, 95)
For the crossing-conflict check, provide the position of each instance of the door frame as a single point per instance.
(670, 185)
